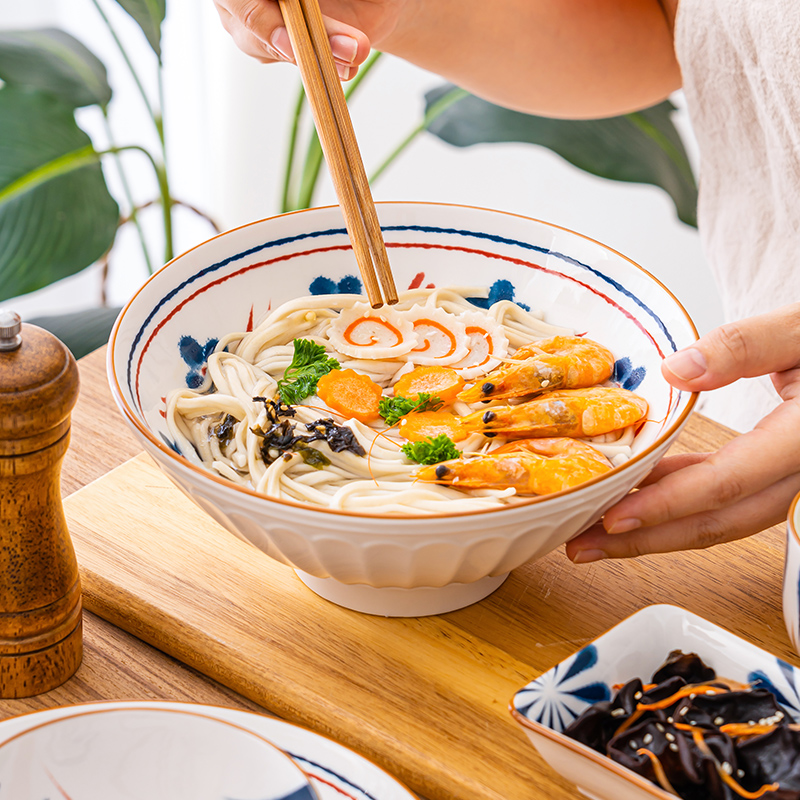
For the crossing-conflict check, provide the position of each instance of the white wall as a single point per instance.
(227, 121)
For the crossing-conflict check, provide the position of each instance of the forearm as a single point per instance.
(559, 58)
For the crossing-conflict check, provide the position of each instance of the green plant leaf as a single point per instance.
(81, 331)
(149, 14)
(642, 147)
(51, 60)
(58, 227)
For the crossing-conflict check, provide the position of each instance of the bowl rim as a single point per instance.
(581, 749)
(133, 419)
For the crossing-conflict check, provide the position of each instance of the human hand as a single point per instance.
(698, 500)
(354, 28)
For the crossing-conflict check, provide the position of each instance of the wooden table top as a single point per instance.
(737, 586)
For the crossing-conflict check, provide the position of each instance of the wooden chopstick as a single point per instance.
(312, 50)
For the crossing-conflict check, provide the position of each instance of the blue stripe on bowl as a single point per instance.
(398, 228)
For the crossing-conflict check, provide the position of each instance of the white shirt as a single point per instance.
(740, 61)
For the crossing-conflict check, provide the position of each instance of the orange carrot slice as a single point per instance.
(417, 426)
(442, 382)
(350, 393)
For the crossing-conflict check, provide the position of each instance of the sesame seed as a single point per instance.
(684, 711)
(648, 737)
(726, 768)
(762, 721)
(673, 747)
(669, 737)
(692, 695)
(709, 691)
(718, 720)
(659, 727)
(740, 773)
(779, 715)
(633, 744)
(670, 720)
(692, 722)
(637, 696)
(618, 712)
(751, 722)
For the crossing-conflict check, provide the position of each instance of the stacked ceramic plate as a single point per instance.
(177, 751)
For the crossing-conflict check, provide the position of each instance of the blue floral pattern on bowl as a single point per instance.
(499, 290)
(635, 648)
(195, 355)
(350, 284)
(563, 693)
(626, 375)
(783, 683)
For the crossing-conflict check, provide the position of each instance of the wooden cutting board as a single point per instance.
(418, 696)
(425, 698)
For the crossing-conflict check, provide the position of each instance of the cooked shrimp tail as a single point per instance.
(571, 412)
(562, 362)
(535, 467)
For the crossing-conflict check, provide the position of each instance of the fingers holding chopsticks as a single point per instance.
(257, 28)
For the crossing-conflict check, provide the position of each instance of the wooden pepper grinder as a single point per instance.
(41, 634)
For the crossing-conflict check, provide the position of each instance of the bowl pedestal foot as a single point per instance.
(396, 602)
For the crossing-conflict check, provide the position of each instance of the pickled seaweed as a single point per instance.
(697, 736)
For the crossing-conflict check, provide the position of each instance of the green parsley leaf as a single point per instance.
(309, 364)
(432, 450)
(393, 408)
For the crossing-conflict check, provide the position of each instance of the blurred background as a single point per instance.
(227, 124)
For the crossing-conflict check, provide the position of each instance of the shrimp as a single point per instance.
(562, 362)
(570, 412)
(531, 466)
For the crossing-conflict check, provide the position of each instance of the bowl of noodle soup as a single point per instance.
(202, 358)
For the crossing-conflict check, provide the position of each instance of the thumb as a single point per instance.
(754, 346)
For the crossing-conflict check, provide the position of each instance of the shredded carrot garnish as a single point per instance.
(682, 726)
(628, 722)
(684, 691)
(697, 735)
(742, 792)
(735, 729)
(661, 776)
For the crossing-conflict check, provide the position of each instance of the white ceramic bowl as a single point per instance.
(416, 565)
(791, 575)
(635, 648)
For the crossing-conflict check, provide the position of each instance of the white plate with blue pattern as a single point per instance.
(299, 764)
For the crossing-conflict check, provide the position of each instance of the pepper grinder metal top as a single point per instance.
(41, 641)
(10, 326)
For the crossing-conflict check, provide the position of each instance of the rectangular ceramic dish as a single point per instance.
(636, 647)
